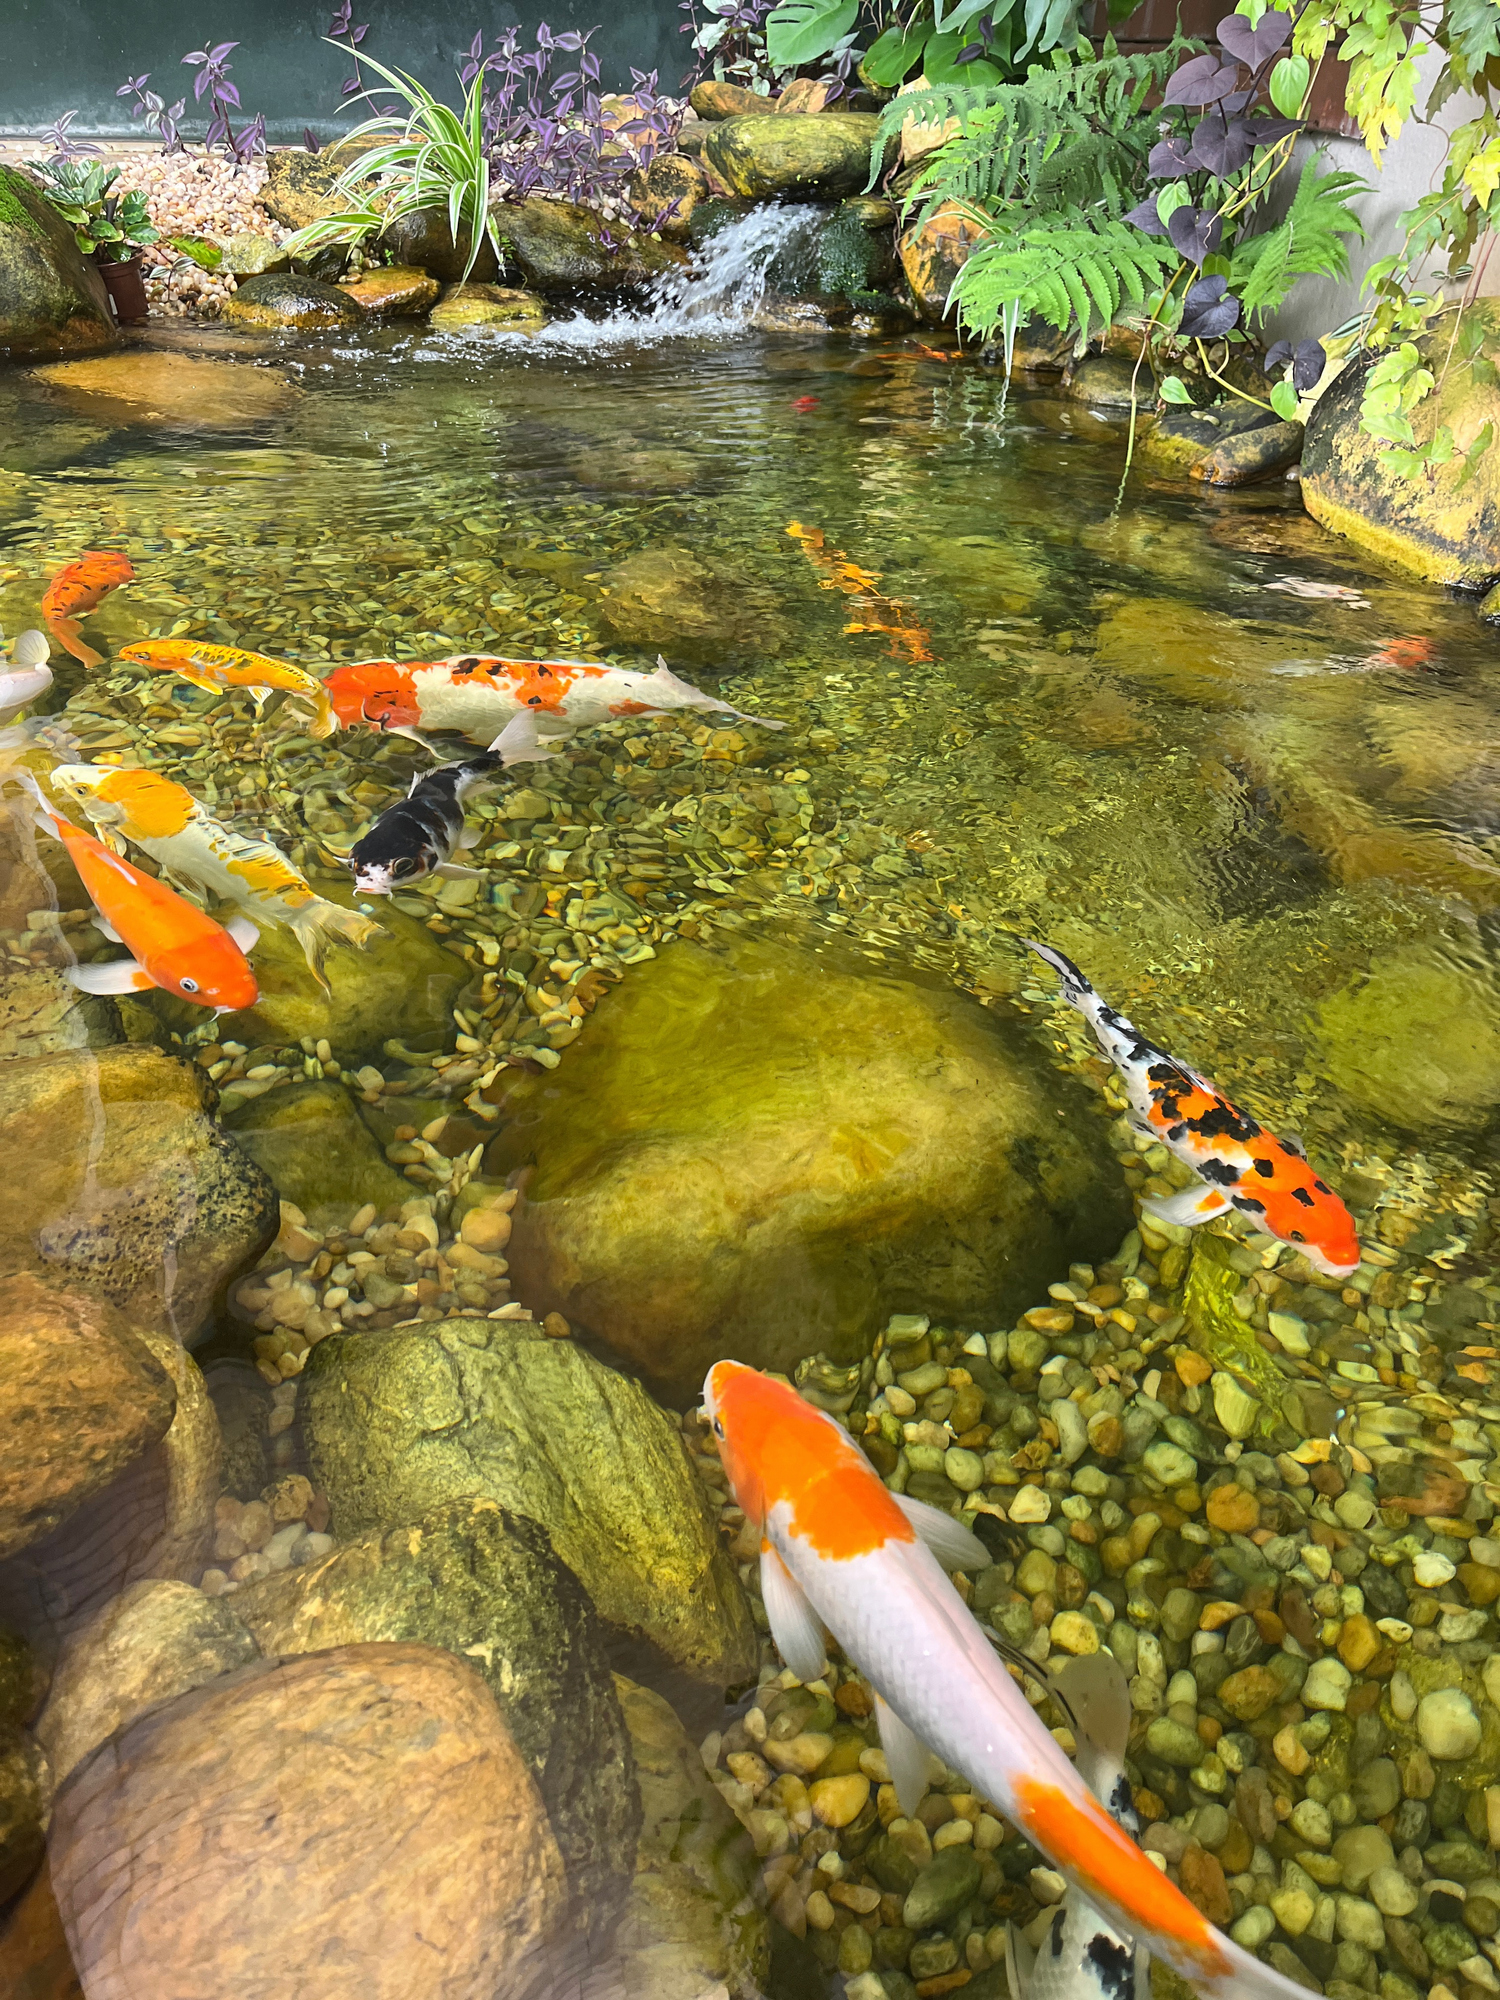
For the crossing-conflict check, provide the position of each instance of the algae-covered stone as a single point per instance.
(52, 302)
(1107, 382)
(563, 247)
(714, 98)
(933, 253)
(768, 1153)
(248, 253)
(167, 387)
(1416, 1040)
(130, 1190)
(665, 193)
(401, 984)
(941, 1889)
(487, 305)
(691, 1925)
(399, 1421)
(1257, 454)
(23, 1791)
(1445, 526)
(280, 299)
(299, 187)
(1182, 438)
(697, 608)
(318, 1150)
(423, 239)
(765, 156)
(394, 291)
(149, 1645)
(485, 1584)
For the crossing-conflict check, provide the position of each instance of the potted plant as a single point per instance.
(113, 229)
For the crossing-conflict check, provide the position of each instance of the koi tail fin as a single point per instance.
(325, 719)
(1076, 990)
(319, 924)
(69, 635)
(677, 693)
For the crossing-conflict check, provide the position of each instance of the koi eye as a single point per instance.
(188, 985)
(718, 1427)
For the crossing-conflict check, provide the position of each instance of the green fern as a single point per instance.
(1071, 268)
(1264, 268)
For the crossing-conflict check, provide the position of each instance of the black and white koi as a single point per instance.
(419, 837)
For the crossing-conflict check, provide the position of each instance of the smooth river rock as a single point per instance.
(52, 299)
(823, 157)
(399, 1421)
(767, 1153)
(355, 1825)
(562, 247)
(486, 1585)
(84, 1397)
(318, 1150)
(277, 300)
(131, 1191)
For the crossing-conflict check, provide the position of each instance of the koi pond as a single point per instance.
(376, 1615)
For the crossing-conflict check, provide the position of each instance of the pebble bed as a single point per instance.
(192, 194)
(1308, 1627)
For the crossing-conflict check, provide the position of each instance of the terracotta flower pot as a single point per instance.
(126, 285)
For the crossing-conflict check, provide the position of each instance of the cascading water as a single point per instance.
(715, 295)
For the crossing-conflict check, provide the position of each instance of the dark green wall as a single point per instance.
(55, 54)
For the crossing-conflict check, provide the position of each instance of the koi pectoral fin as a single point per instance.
(794, 1624)
(1195, 1204)
(121, 975)
(451, 872)
(953, 1545)
(108, 930)
(245, 934)
(905, 1753)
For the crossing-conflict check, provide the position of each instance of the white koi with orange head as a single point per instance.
(841, 1552)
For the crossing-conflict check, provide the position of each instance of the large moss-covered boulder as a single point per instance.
(52, 301)
(763, 1154)
(1181, 439)
(399, 1421)
(563, 247)
(671, 599)
(933, 253)
(318, 1150)
(276, 300)
(823, 156)
(166, 386)
(1416, 1041)
(1445, 527)
(130, 1191)
(486, 1584)
(692, 1925)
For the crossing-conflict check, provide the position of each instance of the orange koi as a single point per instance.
(1408, 653)
(862, 586)
(221, 668)
(79, 587)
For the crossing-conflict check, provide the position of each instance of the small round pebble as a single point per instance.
(1327, 1685)
(1392, 1893)
(1447, 1724)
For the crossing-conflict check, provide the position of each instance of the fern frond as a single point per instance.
(1309, 239)
(1065, 268)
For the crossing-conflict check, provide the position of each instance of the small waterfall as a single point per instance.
(713, 296)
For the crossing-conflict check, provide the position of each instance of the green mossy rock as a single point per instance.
(1108, 382)
(402, 984)
(691, 1925)
(1182, 438)
(1444, 531)
(768, 1153)
(487, 305)
(716, 99)
(41, 1013)
(827, 155)
(1416, 1040)
(393, 291)
(299, 188)
(401, 1420)
(318, 1150)
(665, 194)
(423, 238)
(562, 247)
(843, 258)
(23, 1785)
(279, 299)
(1257, 454)
(52, 300)
(485, 1584)
(669, 599)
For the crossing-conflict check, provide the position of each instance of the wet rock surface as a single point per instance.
(562, 247)
(370, 1794)
(395, 291)
(84, 1398)
(41, 1014)
(52, 302)
(1414, 1040)
(398, 1422)
(34, 1959)
(282, 299)
(471, 305)
(763, 1152)
(762, 157)
(932, 255)
(668, 597)
(485, 1584)
(153, 1217)
(158, 386)
(317, 1150)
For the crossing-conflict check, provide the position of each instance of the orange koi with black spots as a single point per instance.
(79, 587)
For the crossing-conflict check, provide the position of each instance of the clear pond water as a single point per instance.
(1244, 777)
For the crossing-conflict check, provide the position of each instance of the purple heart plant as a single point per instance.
(213, 82)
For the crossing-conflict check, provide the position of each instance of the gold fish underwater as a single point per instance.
(79, 587)
(1240, 1165)
(164, 820)
(838, 1550)
(172, 944)
(875, 613)
(221, 668)
(513, 707)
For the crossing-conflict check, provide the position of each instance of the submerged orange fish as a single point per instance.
(877, 613)
(220, 668)
(82, 586)
(1408, 652)
(172, 944)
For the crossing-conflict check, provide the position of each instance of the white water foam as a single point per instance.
(713, 297)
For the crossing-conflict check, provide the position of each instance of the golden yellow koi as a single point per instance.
(877, 613)
(221, 668)
(164, 820)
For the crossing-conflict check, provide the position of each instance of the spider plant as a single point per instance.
(434, 157)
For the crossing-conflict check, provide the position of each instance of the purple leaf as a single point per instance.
(227, 94)
(1147, 219)
(1278, 354)
(1168, 160)
(218, 54)
(1202, 81)
(1235, 101)
(1195, 232)
(1219, 148)
(311, 140)
(1308, 363)
(350, 85)
(1207, 312)
(359, 33)
(1265, 131)
(1253, 46)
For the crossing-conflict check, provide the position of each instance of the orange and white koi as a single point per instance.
(514, 707)
(79, 587)
(172, 944)
(221, 668)
(875, 612)
(164, 820)
(840, 1551)
(1239, 1164)
(28, 677)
